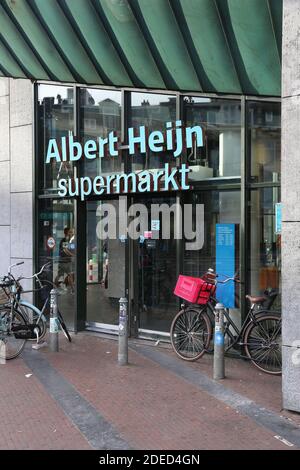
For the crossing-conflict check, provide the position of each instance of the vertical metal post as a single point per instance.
(53, 338)
(80, 224)
(219, 362)
(80, 208)
(123, 333)
(244, 236)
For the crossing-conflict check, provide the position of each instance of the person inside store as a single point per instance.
(64, 266)
(65, 259)
(71, 251)
(104, 280)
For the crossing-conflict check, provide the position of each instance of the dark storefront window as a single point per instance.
(100, 114)
(220, 156)
(265, 243)
(222, 211)
(55, 114)
(152, 111)
(264, 257)
(56, 221)
(264, 141)
(155, 272)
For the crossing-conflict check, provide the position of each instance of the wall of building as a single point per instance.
(16, 164)
(291, 204)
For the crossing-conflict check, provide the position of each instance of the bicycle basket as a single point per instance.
(194, 289)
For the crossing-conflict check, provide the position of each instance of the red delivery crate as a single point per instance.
(193, 289)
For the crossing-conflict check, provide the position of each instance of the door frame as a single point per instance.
(99, 326)
(133, 273)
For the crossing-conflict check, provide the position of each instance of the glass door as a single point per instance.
(154, 271)
(105, 264)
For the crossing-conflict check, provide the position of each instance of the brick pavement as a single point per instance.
(244, 378)
(149, 406)
(29, 417)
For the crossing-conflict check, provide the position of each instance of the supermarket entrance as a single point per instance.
(142, 269)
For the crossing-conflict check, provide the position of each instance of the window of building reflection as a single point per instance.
(100, 114)
(152, 111)
(264, 140)
(220, 119)
(55, 114)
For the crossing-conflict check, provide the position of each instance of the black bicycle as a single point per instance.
(258, 338)
(21, 320)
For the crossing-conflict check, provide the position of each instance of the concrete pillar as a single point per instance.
(16, 165)
(291, 204)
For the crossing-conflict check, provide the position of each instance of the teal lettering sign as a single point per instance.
(174, 138)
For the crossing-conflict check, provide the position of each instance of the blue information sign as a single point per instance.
(225, 262)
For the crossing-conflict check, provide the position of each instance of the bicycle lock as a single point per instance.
(219, 359)
(123, 332)
(54, 326)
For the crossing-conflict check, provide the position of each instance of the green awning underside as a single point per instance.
(221, 46)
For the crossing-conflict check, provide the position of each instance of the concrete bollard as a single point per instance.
(219, 359)
(54, 325)
(123, 333)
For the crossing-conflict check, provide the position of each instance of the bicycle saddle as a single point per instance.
(256, 300)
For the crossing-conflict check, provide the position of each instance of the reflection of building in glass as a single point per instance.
(99, 118)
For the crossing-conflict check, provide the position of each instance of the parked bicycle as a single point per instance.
(258, 338)
(21, 320)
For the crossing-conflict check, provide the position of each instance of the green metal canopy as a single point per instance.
(221, 46)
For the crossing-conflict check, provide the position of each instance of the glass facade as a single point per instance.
(55, 119)
(220, 156)
(220, 207)
(265, 244)
(264, 141)
(100, 114)
(235, 176)
(56, 219)
(152, 111)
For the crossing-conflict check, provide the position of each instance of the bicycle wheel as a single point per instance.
(190, 333)
(33, 316)
(262, 340)
(10, 346)
(64, 327)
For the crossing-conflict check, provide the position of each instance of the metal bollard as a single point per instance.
(54, 325)
(219, 360)
(123, 333)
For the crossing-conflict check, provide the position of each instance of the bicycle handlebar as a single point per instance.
(24, 277)
(211, 274)
(36, 275)
(14, 265)
(9, 280)
(234, 279)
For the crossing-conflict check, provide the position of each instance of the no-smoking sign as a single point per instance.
(51, 243)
